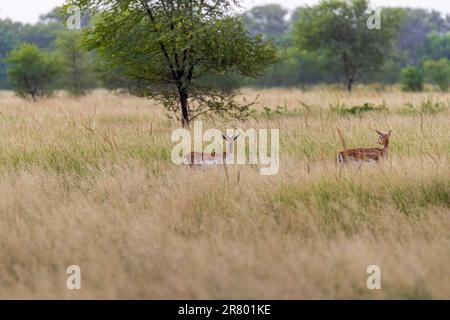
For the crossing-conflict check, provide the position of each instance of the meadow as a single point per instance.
(90, 182)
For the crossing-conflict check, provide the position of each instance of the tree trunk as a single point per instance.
(350, 84)
(183, 96)
(348, 71)
(33, 94)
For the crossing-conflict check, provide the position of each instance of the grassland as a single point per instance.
(90, 182)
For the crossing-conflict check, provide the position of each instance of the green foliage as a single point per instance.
(426, 106)
(436, 46)
(295, 68)
(418, 24)
(13, 33)
(170, 48)
(40, 34)
(8, 40)
(338, 28)
(358, 110)
(227, 82)
(268, 20)
(420, 35)
(387, 73)
(78, 65)
(438, 71)
(279, 111)
(33, 71)
(412, 79)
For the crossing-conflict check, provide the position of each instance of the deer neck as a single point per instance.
(229, 151)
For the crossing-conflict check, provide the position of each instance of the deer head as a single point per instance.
(383, 137)
(231, 139)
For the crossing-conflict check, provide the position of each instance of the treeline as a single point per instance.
(421, 51)
(37, 59)
(54, 58)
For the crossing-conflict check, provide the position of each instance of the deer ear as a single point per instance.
(390, 131)
(379, 133)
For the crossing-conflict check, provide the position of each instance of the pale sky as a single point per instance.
(30, 10)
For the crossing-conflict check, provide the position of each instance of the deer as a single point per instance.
(366, 154)
(214, 158)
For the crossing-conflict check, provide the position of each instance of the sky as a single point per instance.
(28, 11)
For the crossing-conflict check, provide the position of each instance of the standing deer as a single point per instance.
(366, 154)
(214, 158)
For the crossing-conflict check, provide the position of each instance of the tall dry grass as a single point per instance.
(90, 182)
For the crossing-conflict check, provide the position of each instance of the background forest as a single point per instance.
(422, 49)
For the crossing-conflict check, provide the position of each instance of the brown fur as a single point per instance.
(367, 154)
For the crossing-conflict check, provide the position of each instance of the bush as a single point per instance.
(411, 79)
(32, 71)
(342, 110)
(438, 71)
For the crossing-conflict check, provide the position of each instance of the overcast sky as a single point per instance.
(29, 10)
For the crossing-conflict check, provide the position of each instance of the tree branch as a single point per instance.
(161, 44)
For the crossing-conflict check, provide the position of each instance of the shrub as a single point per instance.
(438, 72)
(358, 110)
(412, 79)
(32, 71)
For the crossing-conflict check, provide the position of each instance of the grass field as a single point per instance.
(90, 182)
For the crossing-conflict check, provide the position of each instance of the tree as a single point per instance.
(8, 41)
(33, 71)
(438, 71)
(294, 68)
(12, 33)
(266, 20)
(338, 28)
(417, 25)
(436, 46)
(412, 79)
(40, 34)
(114, 78)
(171, 44)
(79, 73)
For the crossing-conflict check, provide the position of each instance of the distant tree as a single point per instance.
(44, 32)
(113, 78)
(9, 39)
(295, 68)
(41, 34)
(56, 15)
(387, 73)
(338, 28)
(438, 71)
(79, 74)
(436, 46)
(59, 16)
(171, 45)
(417, 25)
(33, 71)
(412, 79)
(268, 21)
